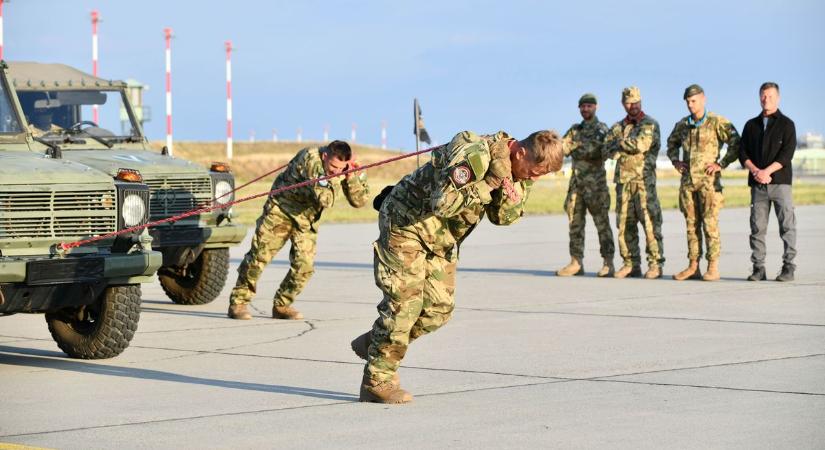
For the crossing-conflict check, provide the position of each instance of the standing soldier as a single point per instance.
(294, 215)
(701, 136)
(634, 143)
(584, 143)
(422, 222)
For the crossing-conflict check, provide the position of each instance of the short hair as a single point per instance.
(545, 148)
(340, 150)
(767, 85)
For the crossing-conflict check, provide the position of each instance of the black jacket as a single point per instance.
(776, 143)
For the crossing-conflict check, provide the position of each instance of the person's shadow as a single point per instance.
(43, 359)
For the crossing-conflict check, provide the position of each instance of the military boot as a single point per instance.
(653, 272)
(239, 311)
(574, 268)
(607, 269)
(286, 312)
(787, 273)
(712, 274)
(691, 273)
(628, 270)
(383, 392)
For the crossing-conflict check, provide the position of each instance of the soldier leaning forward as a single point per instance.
(294, 215)
(634, 143)
(422, 222)
(584, 143)
(701, 136)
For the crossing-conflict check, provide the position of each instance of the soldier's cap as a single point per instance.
(588, 98)
(631, 95)
(692, 90)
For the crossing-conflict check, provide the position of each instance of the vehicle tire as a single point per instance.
(100, 330)
(198, 283)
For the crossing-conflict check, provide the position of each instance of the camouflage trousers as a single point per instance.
(577, 203)
(637, 202)
(418, 288)
(701, 206)
(273, 229)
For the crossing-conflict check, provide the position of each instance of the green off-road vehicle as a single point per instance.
(59, 102)
(90, 294)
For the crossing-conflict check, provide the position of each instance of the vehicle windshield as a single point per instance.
(9, 122)
(62, 114)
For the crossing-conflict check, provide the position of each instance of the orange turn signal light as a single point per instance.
(129, 175)
(219, 167)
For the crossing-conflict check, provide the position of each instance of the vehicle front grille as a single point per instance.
(46, 214)
(171, 195)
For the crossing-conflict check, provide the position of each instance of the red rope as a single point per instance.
(252, 181)
(69, 245)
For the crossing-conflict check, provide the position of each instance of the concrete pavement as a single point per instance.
(529, 359)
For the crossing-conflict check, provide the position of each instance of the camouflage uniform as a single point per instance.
(422, 222)
(700, 194)
(293, 215)
(635, 147)
(587, 191)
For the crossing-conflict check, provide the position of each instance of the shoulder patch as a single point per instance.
(461, 175)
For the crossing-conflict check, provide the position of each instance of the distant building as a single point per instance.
(811, 140)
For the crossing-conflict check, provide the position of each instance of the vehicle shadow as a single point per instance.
(44, 359)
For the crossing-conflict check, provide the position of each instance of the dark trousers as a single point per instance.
(762, 197)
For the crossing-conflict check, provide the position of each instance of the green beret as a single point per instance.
(588, 98)
(692, 90)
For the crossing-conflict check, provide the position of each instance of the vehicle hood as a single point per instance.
(148, 163)
(37, 169)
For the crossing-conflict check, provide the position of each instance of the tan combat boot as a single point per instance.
(653, 272)
(286, 312)
(712, 274)
(239, 311)
(383, 392)
(574, 268)
(691, 273)
(607, 269)
(628, 270)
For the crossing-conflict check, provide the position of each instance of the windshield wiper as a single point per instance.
(54, 149)
(100, 139)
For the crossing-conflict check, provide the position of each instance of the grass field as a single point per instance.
(547, 197)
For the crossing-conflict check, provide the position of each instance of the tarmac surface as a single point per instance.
(529, 359)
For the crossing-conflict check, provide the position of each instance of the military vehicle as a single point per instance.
(60, 102)
(90, 294)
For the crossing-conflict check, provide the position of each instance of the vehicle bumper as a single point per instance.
(114, 268)
(208, 237)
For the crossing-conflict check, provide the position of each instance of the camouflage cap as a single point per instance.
(692, 90)
(631, 95)
(588, 98)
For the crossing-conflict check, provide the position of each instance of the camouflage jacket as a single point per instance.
(305, 204)
(635, 147)
(584, 143)
(701, 144)
(443, 200)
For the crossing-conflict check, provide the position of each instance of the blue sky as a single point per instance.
(481, 65)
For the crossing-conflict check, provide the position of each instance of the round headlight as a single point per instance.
(222, 188)
(133, 211)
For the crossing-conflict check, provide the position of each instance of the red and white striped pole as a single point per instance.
(383, 134)
(95, 20)
(352, 135)
(228, 45)
(1, 29)
(167, 33)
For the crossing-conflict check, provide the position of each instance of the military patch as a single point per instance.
(461, 175)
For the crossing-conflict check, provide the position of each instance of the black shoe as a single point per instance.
(758, 274)
(786, 274)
